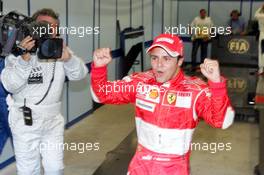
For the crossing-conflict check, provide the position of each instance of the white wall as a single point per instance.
(168, 11)
(80, 15)
(220, 11)
(108, 30)
(158, 17)
(147, 18)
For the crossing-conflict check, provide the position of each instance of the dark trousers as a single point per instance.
(196, 44)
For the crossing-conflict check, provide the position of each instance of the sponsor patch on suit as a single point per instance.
(169, 98)
(149, 93)
(145, 105)
(177, 99)
(184, 99)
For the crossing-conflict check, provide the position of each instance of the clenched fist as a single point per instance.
(210, 69)
(102, 57)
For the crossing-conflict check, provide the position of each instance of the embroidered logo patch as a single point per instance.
(154, 93)
(145, 105)
(148, 92)
(178, 99)
(184, 99)
(36, 76)
(169, 98)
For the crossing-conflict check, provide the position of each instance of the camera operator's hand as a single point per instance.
(102, 57)
(27, 43)
(66, 55)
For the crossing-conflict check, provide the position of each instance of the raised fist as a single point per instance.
(210, 69)
(102, 57)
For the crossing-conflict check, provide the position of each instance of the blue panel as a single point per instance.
(21, 6)
(7, 152)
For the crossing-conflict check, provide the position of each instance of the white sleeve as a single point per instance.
(75, 68)
(259, 14)
(193, 24)
(15, 74)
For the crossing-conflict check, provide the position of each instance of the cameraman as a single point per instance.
(34, 108)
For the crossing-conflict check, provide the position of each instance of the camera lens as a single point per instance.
(50, 48)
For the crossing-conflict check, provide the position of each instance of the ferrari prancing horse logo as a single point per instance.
(181, 99)
(171, 98)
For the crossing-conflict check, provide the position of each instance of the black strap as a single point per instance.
(51, 81)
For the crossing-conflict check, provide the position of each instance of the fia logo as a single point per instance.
(236, 84)
(238, 46)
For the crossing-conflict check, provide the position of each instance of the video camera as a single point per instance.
(14, 27)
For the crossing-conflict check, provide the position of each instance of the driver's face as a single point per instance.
(163, 65)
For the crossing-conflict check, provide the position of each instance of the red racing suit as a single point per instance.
(166, 115)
